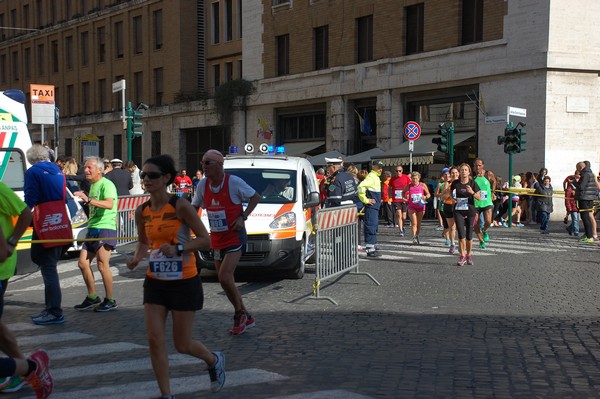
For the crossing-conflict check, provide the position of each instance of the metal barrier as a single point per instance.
(126, 227)
(336, 246)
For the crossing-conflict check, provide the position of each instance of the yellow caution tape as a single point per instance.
(316, 286)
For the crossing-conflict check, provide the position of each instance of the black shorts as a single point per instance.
(109, 242)
(400, 206)
(182, 295)
(485, 208)
(219, 254)
(448, 211)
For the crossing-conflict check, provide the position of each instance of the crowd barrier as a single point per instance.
(336, 246)
(126, 227)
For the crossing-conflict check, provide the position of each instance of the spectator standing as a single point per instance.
(369, 193)
(136, 180)
(571, 204)
(586, 191)
(397, 184)
(418, 194)
(45, 182)
(386, 200)
(16, 370)
(544, 203)
(180, 290)
(102, 225)
(107, 166)
(341, 187)
(120, 177)
(465, 190)
(199, 176)
(222, 196)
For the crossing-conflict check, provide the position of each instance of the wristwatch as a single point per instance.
(179, 249)
(12, 241)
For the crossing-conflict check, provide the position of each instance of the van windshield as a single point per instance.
(275, 186)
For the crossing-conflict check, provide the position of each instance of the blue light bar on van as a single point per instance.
(270, 149)
(233, 149)
(280, 149)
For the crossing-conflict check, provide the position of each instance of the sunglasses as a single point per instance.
(207, 163)
(151, 175)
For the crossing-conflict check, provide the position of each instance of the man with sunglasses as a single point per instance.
(221, 195)
(397, 184)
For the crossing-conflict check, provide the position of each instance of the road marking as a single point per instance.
(93, 350)
(332, 394)
(40, 340)
(146, 389)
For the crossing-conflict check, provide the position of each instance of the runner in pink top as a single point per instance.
(418, 194)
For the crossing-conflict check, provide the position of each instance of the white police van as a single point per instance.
(280, 229)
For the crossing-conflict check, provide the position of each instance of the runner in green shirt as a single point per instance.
(485, 206)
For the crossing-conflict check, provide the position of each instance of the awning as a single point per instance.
(422, 154)
(319, 160)
(364, 157)
(302, 147)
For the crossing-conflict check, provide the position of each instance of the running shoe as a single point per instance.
(418, 240)
(469, 260)
(47, 318)
(545, 232)
(486, 236)
(249, 321)
(519, 224)
(88, 303)
(4, 382)
(586, 240)
(12, 384)
(504, 224)
(401, 233)
(239, 323)
(373, 254)
(106, 306)
(217, 372)
(461, 260)
(566, 220)
(482, 245)
(452, 249)
(447, 241)
(40, 379)
(415, 240)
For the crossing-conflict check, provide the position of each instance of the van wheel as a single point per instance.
(298, 272)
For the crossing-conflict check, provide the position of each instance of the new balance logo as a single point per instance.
(52, 219)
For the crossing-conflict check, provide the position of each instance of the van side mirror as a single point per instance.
(312, 201)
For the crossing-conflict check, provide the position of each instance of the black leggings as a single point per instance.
(464, 223)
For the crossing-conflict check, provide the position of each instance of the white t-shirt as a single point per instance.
(239, 191)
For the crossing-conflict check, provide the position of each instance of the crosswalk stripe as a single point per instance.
(41, 340)
(332, 394)
(146, 389)
(92, 350)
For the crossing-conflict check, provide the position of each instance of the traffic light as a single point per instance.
(442, 142)
(520, 140)
(133, 120)
(509, 139)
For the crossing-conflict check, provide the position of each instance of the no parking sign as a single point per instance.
(412, 130)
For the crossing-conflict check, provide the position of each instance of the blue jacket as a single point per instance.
(44, 182)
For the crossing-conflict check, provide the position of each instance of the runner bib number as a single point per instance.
(217, 220)
(462, 204)
(165, 268)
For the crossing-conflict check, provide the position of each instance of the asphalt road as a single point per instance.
(522, 322)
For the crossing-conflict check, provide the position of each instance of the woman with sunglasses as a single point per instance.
(172, 281)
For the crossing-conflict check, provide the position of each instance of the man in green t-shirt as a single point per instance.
(102, 226)
(484, 206)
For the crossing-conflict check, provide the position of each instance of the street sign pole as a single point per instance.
(510, 195)
(411, 147)
(451, 144)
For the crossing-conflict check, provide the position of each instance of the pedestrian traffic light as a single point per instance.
(133, 120)
(442, 142)
(520, 140)
(509, 139)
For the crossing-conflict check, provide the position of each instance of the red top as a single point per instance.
(183, 183)
(397, 184)
(222, 212)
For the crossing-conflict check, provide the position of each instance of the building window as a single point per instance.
(321, 40)
(102, 94)
(137, 35)
(41, 60)
(83, 6)
(158, 87)
(101, 36)
(216, 75)
(15, 65)
(26, 16)
(85, 55)
(283, 55)
(215, 23)
(158, 29)
(13, 21)
(472, 21)
(155, 144)
(27, 62)
(239, 19)
(118, 146)
(69, 52)
(54, 59)
(85, 97)
(119, 39)
(53, 8)
(303, 126)
(138, 81)
(68, 9)
(364, 39)
(228, 71)
(70, 100)
(228, 20)
(239, 69)
(38, 13)
(415, 17)
(3, 68)
(68, 147)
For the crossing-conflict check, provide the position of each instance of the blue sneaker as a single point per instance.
(519, 225)
(447, 241)
(47, 318)
(217, 372)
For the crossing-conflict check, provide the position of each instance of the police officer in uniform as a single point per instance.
(341, 187)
